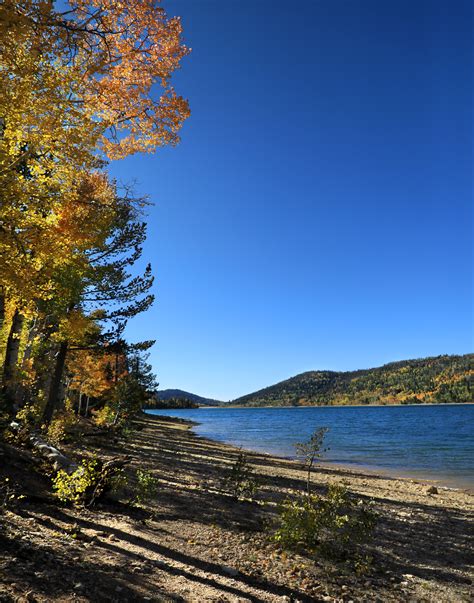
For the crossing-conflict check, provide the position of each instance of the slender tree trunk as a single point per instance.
(11, 359)
(2, 307)
(22, 391)
(87, 406)
(55, 387)
(79, 404)
(116, 368)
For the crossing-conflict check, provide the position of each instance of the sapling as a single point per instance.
(310, 451)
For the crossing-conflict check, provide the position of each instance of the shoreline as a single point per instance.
(442, 481)
(195, 542)
(229, 405)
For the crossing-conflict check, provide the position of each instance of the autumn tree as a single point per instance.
(76, 90)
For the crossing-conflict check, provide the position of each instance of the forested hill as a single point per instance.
(179, 394)
(441, 379)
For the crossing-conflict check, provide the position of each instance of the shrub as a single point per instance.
(78, 487)
(334, 525)
(59, 427)
(29, 414)
(241, 481)
(146, 487)
(89, 482)
(104, 417)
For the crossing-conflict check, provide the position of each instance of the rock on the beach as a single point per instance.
(431, 490)
(230, 571)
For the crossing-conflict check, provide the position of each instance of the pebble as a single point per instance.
(230, 571)
(431, 490)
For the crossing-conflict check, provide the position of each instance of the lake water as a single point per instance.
(431, 442)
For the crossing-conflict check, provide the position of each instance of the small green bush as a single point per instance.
(241, 481)
(146, 488)
(334, 525)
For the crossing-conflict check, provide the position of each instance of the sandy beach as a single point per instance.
(194, 543)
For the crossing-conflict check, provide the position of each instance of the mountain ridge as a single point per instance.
(435, 379)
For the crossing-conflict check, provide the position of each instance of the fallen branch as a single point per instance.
(51, 454)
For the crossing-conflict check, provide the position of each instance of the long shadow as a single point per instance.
(434, 543)
(59, 577)
(200, 564)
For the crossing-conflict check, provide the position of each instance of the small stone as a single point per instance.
(118, 589)
(344, 587)
(230, 571)
(78, 585)
(404, 583)
(431, 490)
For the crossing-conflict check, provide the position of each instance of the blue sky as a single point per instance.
(317, 213)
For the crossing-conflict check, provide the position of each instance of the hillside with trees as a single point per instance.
(436, 380)
(178, 398)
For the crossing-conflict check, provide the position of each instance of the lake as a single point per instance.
(431, 441)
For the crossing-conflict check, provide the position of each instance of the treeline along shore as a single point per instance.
(195, 540)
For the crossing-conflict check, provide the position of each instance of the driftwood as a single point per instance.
(102, 484)
(51, 454)
(105, 470)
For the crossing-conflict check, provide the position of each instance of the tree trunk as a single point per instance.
(2, 308)
(87, 406)
(55, 387)
(11, 359)
(23, 392)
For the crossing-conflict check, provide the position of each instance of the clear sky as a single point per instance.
(317, 213)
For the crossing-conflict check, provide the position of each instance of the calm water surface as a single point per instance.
(432, 442)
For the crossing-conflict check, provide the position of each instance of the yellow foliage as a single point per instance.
(104, 416)
(63, 420)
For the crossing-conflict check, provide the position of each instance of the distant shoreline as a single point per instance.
(376, 471)
(329, 405)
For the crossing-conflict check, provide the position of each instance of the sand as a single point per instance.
(195, 543)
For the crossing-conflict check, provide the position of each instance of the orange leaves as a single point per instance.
(101, 61)
(85, 215)
(88, 373)
(135, 47)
